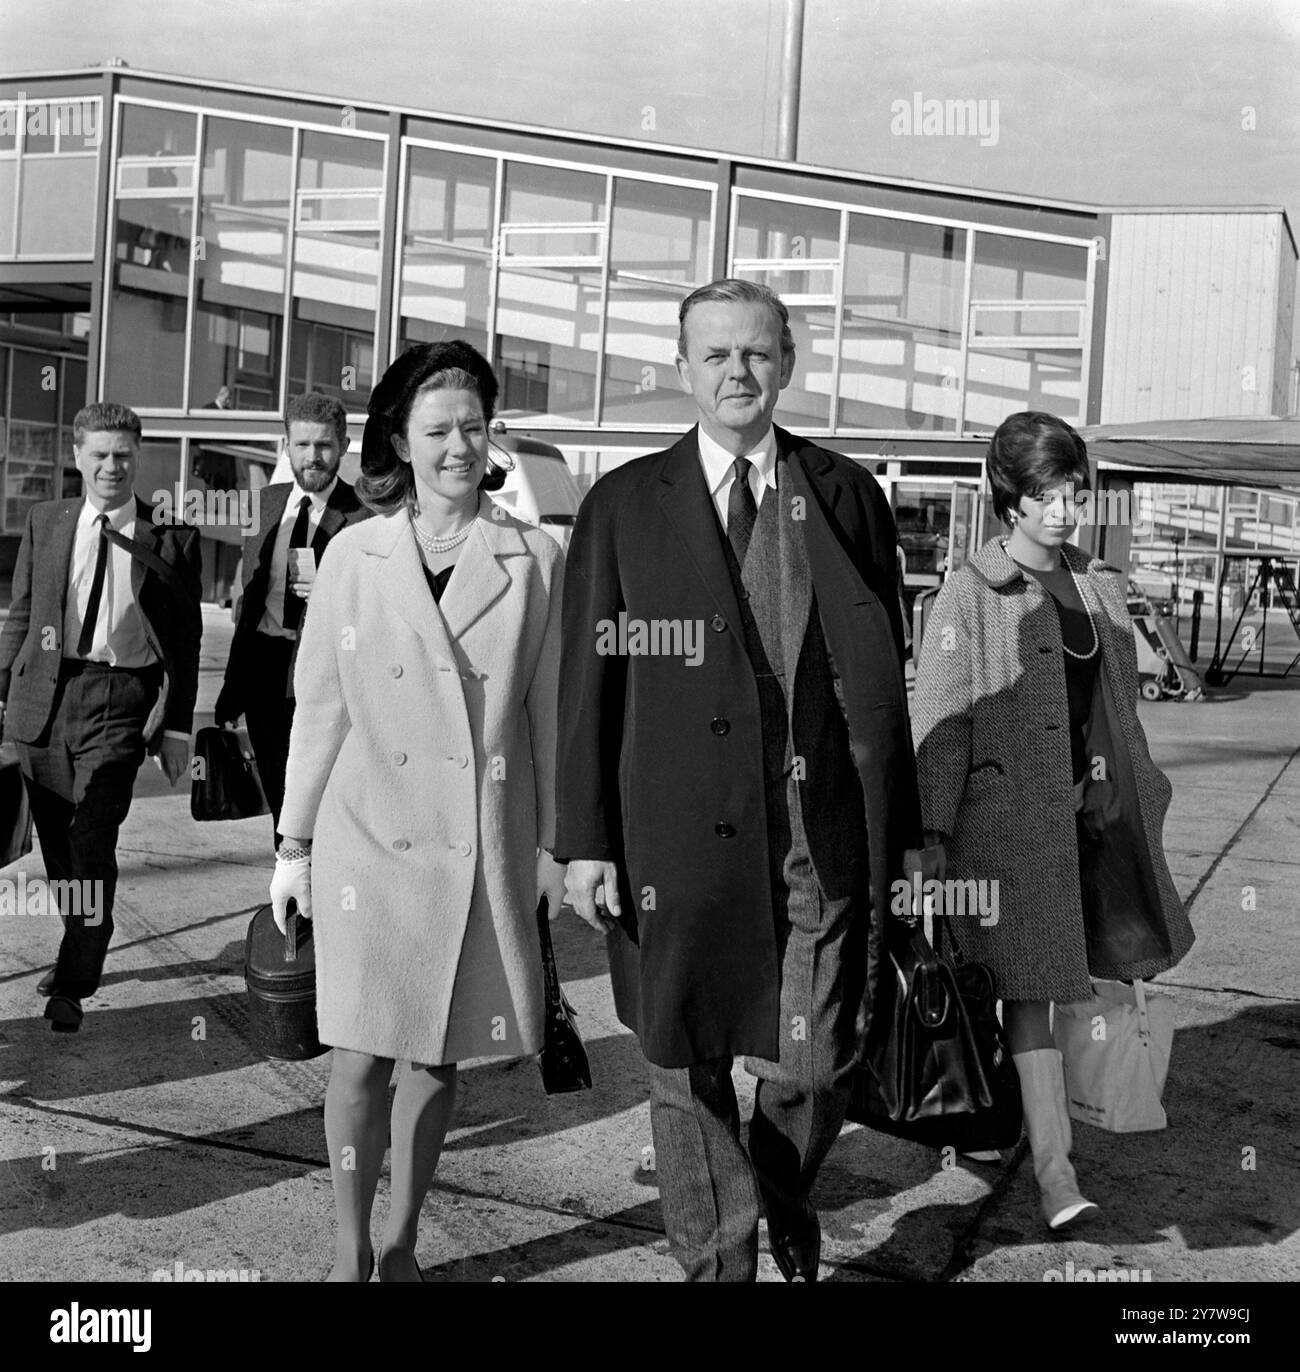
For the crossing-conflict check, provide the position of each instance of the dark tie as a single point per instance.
(294, 605)
(742, 510)
(87, 635)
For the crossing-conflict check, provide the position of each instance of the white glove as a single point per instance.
(292, 881)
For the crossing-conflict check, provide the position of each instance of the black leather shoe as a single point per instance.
(64, 1014)
(798, 1258)
(46, 984)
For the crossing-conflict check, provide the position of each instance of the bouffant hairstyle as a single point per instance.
(1030, 453)
(386, 483)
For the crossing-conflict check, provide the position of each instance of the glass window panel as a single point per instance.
(775, 228)
(73, 391)
(1066, 323)
(444, 296)
(8, 127)
(57, 214)
(30, 469)
(8, 179)
(904, 293)
(641, 384)
(147, 313)
(1001, 381)
(660, 231)
(554, 243)
(923, 514)
(1027, 269)
(793, 281)
(149, 132)
(35, 386)
(449, 198)
(161, 175)
(158, 468)
(38, 130)
(334, 208)
(335, 161)
(239, 307)
(335, 295)
(806, 401)
(548, 335)
(446, 248)
(552, 195)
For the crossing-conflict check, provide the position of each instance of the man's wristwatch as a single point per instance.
(285, 853)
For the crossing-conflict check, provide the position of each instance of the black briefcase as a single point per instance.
(225, 784)
(15, 811)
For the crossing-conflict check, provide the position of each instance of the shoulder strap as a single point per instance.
(150, 560)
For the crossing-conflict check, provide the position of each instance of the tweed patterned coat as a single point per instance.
(991, 723)
(422, 764)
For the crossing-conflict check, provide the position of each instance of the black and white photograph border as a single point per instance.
(969, 212)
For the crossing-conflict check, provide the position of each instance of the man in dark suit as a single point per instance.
(736, 784)
(297, 521)
(99, 662)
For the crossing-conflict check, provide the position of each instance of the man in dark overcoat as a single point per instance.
(736, 782)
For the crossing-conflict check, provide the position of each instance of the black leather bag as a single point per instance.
(15, 811)
(936, 1068)
(226, 784)
(563, 1059)
(280, 974)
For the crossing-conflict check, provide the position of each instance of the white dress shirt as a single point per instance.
(119, 639)
(272, 621)
(719, 470)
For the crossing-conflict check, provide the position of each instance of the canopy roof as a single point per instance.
(1255, 450)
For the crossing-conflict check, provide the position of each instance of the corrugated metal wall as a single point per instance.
(1195, 314)
(1284, 398)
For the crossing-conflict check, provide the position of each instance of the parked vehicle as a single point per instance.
(540, 489)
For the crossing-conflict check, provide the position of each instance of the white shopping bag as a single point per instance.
(1115, 1051)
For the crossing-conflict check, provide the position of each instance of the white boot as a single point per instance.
(1047, 1121)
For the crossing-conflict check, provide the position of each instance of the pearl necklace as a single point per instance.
(1083, 600)
(440, 543)
(1096, 642)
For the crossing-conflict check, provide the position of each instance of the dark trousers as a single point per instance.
(268, 713)
(709, 1185)
(80, 774)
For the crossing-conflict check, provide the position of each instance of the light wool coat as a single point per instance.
(422, 764)
(991, 723)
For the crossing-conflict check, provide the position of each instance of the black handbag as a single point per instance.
(936, 1068)
(563, 1059)
(226, 784)
(280, 974)
(15, 809)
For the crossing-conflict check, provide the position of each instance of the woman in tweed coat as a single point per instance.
(422, 773)
(1020, 646)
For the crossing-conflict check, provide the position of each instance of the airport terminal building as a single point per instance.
(200, 250)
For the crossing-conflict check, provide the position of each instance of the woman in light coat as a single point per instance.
(1027, 653)
(419, 789)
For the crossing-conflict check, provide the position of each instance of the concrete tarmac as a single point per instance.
(156, 1136)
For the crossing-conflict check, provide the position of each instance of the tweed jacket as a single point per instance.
(990, 717)
(173, 622)
(422, 765)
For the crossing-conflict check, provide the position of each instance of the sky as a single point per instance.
(1107, 102)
